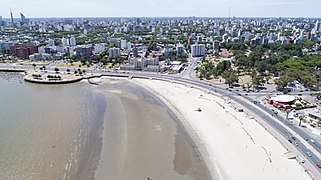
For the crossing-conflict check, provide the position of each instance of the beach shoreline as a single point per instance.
(242, 149)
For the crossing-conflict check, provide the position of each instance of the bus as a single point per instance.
(300, 159)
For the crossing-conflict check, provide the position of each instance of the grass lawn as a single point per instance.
(73, 65)
(38, 63)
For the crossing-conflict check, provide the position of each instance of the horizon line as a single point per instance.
(236, 17)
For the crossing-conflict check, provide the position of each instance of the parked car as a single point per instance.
(318, 165)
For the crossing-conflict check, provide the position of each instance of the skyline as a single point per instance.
(158, 8)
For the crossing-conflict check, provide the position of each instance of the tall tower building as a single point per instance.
(317, 25)
(1, 21)
(11, 17)
(23, 19)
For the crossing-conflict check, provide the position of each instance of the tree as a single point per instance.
(68, 71)
(57, 70)
(44, 68)
(248, 86)
(282, 82)
(230, 77)
(34, 66)
(257, 81)
(223, 66)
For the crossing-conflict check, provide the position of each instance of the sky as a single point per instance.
(161, 8)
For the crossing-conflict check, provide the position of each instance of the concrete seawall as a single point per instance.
(12, 70)
(63, 81)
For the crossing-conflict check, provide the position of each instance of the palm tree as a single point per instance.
(57, 70)
(287, 113)
(301, 118)
(68, 71)
(34, 66)
(44, 68)
(83, 71)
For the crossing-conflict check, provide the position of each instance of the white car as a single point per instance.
(309, 154)
(311, 140)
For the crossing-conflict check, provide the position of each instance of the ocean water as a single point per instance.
(49, 132)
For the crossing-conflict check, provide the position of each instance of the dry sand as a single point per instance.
(141, 139)
(233, 145)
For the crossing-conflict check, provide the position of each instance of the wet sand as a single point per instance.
(142, 139)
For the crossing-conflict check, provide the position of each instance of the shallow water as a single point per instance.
(48, 132)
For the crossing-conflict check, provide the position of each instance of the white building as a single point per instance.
(98, 48)
(198, 50)
(313, 115)
(65, 41)
(129, 47)
(85, 32)
(123, 44)
(149, 64)
(114, 52)
(73, 41)
(68, 27)
(153, 29)
(51, 42)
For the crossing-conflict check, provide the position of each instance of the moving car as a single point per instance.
(309, 154)
(293, 137)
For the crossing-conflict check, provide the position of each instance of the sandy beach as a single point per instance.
(142, 139)
(233, 145)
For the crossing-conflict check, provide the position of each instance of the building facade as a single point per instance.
(198, 50)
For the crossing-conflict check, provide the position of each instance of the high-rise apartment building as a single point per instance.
(198, 50)
(73, 41)
(216, 46)
(114, 52)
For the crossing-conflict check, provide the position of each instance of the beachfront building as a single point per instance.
(147, 64)
(84, 51)
(23, 51)
(282, 101)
